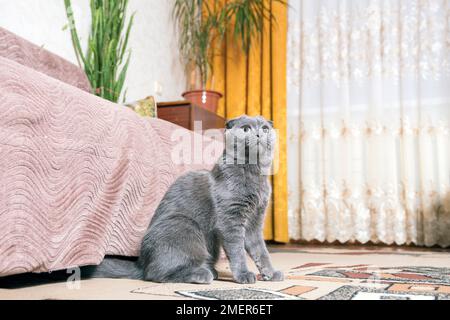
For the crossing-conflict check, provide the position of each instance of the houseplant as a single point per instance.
(199, 26)
(202, 25)
(105, 60)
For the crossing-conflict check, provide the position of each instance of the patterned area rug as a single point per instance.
(367, 282)
(360, 282)
(314, 273)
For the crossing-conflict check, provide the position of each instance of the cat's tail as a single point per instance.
(114, 268)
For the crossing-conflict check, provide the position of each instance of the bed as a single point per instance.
(80, 177)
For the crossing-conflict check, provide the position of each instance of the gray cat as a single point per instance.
(204, 210)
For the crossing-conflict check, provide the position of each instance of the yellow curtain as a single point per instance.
(256, 85)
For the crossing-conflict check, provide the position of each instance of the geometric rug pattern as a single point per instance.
(311, 273)
(397, 283)
(380, 283)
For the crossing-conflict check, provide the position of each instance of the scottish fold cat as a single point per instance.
(203, 211)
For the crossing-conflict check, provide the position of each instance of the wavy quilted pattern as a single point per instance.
(28, 54)
(80, 177)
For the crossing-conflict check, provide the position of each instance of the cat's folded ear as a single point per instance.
(230, 123)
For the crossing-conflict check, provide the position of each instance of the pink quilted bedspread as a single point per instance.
(80, 177)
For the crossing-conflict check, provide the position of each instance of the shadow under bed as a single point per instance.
(25, 280)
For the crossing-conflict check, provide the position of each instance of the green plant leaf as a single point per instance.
(202, 27)
(106, 46)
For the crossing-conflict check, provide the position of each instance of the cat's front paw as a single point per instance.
(246, 277)
(277, 276)
(274, 276)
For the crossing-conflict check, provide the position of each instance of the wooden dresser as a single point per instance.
(184, 114)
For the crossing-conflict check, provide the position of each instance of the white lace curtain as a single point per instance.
(368, 121)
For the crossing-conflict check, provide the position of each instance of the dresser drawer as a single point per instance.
(184, 114)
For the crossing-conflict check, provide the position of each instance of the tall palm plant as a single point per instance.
(246, 20)
(106, 60)
(200, 22)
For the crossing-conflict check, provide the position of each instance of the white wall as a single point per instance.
(154, 57)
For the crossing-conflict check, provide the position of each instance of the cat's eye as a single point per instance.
(246, 128)
(265, 129)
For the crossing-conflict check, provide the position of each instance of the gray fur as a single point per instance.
(205, 210)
